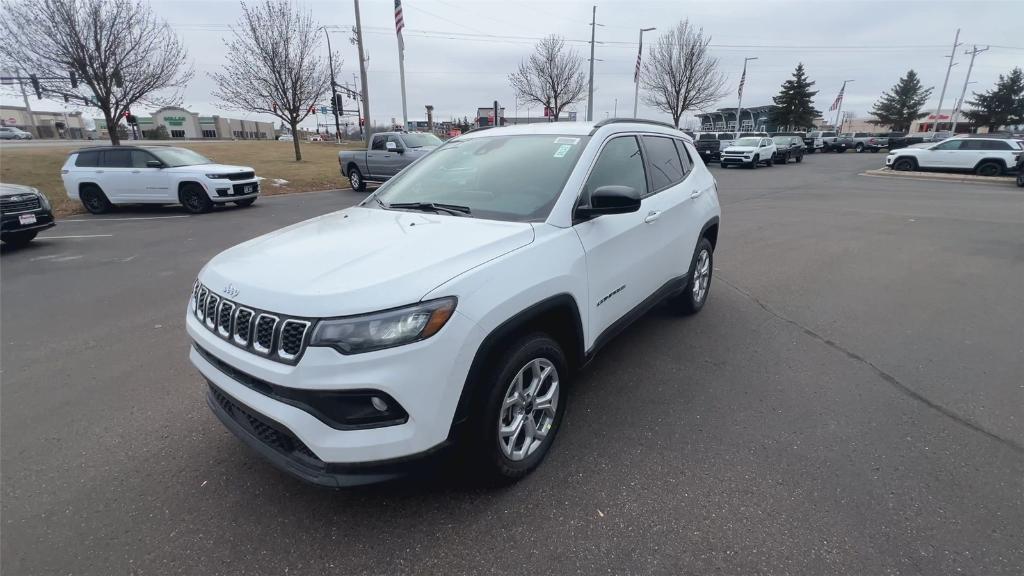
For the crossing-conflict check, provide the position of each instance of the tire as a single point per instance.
(245, 203)
(194, 199)
(724, 165)
(355, 179)
(501, 457)
(1020, 179)
(904, 165)
(800, 158)
(841, 150)
(753, 164)
(94, 200)
(859, 148)
(702, 265)
(19, 239)
(770, 162)
(989, 168)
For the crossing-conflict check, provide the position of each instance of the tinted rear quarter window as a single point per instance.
(87, 159)
(116, 159)
(663, 161)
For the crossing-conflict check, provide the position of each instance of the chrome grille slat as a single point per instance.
(279, 338)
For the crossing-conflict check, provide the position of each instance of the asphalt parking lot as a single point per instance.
(850, 401)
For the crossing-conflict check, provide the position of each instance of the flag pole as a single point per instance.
(739, 104)
(399, 24)
(636, 76)
(839, 106)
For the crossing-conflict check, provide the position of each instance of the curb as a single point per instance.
(943, 177)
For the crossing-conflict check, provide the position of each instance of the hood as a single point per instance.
(210, 168)
(741, 149)
(358, 260)
(12, 189)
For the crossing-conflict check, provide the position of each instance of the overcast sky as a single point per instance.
(459, 53)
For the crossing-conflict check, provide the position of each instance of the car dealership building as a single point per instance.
(183, 124)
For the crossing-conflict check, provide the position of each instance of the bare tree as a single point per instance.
(679, 73)
(274, 64)
(121, 52)
(552, 77)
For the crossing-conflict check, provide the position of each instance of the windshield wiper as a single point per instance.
(453, 209)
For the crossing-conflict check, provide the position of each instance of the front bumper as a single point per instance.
(736, 160)
(231, 191)
(425, 378)
(889, 160)
(11, 223)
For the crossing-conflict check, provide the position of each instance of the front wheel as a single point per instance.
(194, 199)
(753, 164)
(770, 162)
(904, 165)
(524, 408)
(691, 300)
(18, 239)
(799, 158)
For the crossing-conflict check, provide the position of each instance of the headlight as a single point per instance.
(43, 200)
(386, 329)
(216, 176)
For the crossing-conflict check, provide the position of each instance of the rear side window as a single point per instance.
(684, 156)
(663, 162)
(620, 164)
(88, 159)
(116, 159)
(996, 145)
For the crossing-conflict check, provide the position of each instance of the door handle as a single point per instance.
(696, 193)
(652, 216)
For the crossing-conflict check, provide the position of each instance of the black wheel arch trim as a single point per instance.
(474, 388)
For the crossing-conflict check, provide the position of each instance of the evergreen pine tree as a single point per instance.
(795, 102)
(902, 104)
(1001, 106)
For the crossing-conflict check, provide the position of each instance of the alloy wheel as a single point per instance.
(701, 276)
(353, 180)
(528, 410)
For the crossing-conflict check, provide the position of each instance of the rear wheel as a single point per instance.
(691, 300)
(904, 164)
(989, 169)
(194, 199)
(355, 179)
(523, 410)
(245, 203)
(94, 200)
(19, 239)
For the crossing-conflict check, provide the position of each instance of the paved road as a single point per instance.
(850, 401)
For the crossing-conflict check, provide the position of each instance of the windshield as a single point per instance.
(179, 157)
(747, 142)
(781, 139)
(514, 178)
(420, 139)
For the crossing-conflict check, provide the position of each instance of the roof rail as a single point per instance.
(608, 121)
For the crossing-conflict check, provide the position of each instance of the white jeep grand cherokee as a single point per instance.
(455, 302)
(104, 176)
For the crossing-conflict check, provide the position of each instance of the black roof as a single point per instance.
(119, 147)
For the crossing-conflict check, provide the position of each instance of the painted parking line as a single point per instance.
(126, 218)
(78, 236)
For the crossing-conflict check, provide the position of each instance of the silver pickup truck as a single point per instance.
(389, 152)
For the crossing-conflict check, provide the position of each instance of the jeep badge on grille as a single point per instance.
(230, 290)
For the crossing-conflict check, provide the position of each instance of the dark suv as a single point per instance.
(24, 211)
(708, 147)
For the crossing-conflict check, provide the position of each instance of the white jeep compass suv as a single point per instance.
(103, 176)
(454, 303)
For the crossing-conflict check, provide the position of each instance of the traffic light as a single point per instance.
(35, 85)
(339, 104)
(74, 79)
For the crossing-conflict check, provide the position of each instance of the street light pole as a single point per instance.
(334, 88)
(590, 89)
(739, 104)
(942, 95)
(636, 75)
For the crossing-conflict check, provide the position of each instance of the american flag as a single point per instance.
(839, 100)
(399, 24)
(743, 79)
(636, 75)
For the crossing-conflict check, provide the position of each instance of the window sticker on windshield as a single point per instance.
(562, 150)
(566, 140)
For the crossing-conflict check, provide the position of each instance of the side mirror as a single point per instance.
(610, 200)
(154, 164)
(391, 147)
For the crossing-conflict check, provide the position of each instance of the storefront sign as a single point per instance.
(175, 120)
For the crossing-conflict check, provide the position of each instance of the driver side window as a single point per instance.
(378, 143)
(619, 164)
(951, 145)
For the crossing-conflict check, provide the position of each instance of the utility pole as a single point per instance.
(28, 110)
(590, 90)
(967, 80)
(365, 92)
(334, 88)
(636, 76)
(739, 104)
(942, 95)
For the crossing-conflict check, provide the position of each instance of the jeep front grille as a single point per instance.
(266, 334)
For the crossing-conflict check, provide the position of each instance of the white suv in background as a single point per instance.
(749, 151)
(984, 156)
(453, 305)
(105, 176)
